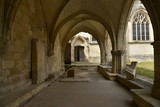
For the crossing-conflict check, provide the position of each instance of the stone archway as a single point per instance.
(95, 34)
(79, 49)
(63, 15)
(76, 39)
(90, 16)
(151, 8)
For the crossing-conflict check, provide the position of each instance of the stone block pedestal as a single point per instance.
(70, 73)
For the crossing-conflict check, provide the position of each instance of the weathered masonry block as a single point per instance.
(8, 64)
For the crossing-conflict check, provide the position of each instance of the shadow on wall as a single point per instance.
(85, 57)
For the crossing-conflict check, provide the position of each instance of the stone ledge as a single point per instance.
(105, 71)
(128, 83)
(15, 99)
(81, 65)
(143, 98)
(111, 76)
(141, 91)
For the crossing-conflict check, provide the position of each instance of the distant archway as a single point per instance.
(93, 17)
(83, 48)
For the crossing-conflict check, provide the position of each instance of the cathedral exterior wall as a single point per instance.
(94, 55)
(140, 50)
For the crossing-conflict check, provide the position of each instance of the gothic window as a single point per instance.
(140, 27)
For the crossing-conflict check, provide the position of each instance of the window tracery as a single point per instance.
(140, 27)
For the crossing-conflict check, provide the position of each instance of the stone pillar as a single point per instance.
(72, 54)
(156, 85)
(67, 54)
(34, 65)
(38, 61)
(103, 58)
(117, 60)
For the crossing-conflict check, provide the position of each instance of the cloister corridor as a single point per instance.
(38, 38)
(91, 90)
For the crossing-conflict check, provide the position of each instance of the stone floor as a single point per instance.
(97, 92)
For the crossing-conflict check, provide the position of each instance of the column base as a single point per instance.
(114, 70)
(119, 71)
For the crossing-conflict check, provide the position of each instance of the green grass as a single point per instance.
(145, 69)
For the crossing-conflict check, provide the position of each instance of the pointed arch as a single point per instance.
(95, 34)
(106, 23)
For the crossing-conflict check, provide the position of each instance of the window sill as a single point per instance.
(140, 42)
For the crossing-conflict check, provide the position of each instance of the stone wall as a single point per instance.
(141, 58)
(55, 62)
(15, 62)
(94, 54)
(140, 52)
(80, 41)
(108, 50)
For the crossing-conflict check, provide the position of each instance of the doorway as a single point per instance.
(79, 53)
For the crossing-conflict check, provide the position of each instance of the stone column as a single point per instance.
(72, 54)
(117, 60)
(156, 85)
(34, 65)
(103, 58)
(114, 61)
(38, 61)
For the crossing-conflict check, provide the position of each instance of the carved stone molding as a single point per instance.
(118, 52)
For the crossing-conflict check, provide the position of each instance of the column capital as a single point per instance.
(117, 60)
(118, 52)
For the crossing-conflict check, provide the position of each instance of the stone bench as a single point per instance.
(106, 72)
(131, 70)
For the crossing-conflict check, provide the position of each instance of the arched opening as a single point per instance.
(39, 26)
(88, 24)
(82, 48)
(141, 33)
(139, 36)
(89, 19)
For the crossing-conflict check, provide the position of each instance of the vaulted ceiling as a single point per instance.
(63, 17)
(57, 11)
